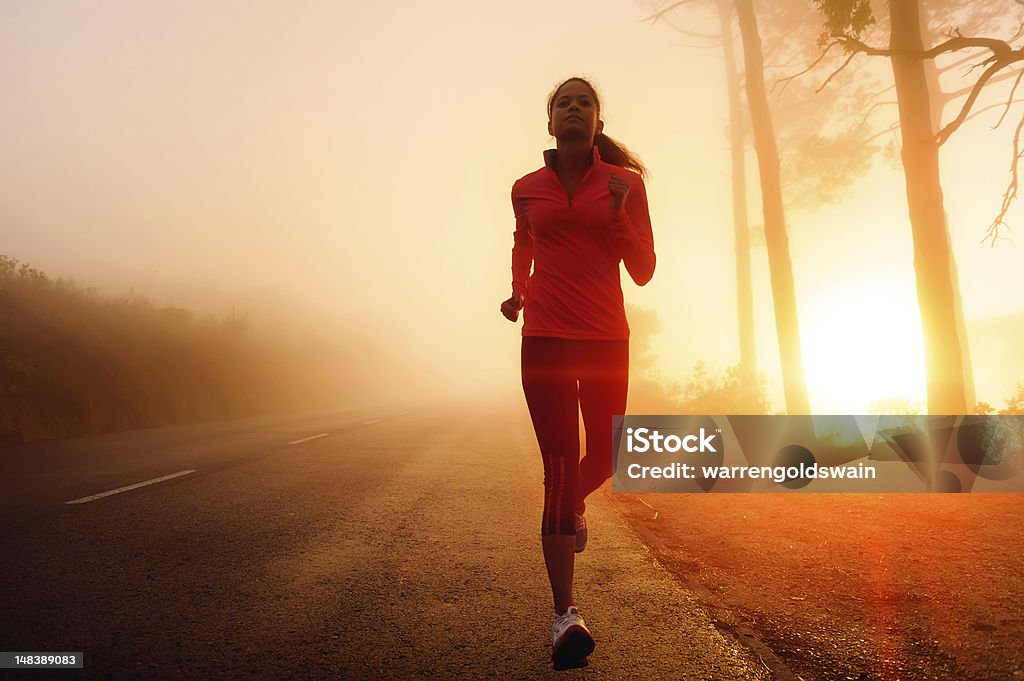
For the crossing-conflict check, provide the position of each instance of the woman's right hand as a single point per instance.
(511, 307)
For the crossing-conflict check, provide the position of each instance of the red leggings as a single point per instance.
(561, 378)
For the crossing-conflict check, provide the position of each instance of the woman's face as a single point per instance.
(574, 113)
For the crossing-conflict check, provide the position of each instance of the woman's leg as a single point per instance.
(552, 395)
(604, 379)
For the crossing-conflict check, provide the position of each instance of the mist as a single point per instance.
(344, 170)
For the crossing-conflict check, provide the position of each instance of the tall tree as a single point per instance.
(777, 242)
(934, 267)
(976, 18)
(818, 159)
(938, 102)
(741, 226)
(737, 129)
(932, 257)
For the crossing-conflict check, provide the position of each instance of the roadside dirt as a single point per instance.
(894, 587)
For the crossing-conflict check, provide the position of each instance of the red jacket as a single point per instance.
(575, 248)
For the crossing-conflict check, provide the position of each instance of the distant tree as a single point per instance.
(896, 406)
(1015, 404)
(741, 227)
(731, 393)
(984, 409)
(703, 392)
(737, 128)
(649, 391)
(776, 241)
(821, 159)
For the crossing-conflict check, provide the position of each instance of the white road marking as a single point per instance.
(108, 493)
(307, 439)
(367, 423)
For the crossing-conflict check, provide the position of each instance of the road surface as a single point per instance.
(398, 543)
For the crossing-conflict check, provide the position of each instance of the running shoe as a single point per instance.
(581, 532)
(571, 641)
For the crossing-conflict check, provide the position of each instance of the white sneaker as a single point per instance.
(571, 641)
(581, 533)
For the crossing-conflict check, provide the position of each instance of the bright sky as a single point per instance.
(356, 158)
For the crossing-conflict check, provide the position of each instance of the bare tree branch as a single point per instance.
(1002, 56)
(882, 91)
(836, 72)
(715, 40)
(871, 109)
(892, 128)
(950, 96)
(817, 61)
(952, 127)
(980, 64)
(1009, 101)
(695, 34)
(989, 108)
(792, 59)
(1020, 29)
(895, 126)
(1011, 190)
(658, 15)
(999, 49)
(957, 63)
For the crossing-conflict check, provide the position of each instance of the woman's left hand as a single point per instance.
(618, 188)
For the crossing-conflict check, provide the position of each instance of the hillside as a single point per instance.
(74, 362)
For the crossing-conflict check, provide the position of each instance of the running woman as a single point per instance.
(577, 218)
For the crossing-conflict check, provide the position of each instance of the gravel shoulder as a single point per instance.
(853, 586)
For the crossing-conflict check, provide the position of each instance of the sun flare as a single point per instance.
(860, 345)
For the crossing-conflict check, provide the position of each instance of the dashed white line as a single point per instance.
(368, 423)
(108, 493)
(307, 439)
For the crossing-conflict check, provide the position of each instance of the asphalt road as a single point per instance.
(400, 543)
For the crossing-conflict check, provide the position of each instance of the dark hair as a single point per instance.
(611, 151)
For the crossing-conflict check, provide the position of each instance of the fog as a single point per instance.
(346, 168)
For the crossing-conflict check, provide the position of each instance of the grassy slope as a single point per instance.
(73, 362)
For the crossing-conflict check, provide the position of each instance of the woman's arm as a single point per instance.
(631, 225)
(522, 260)
(522, 248)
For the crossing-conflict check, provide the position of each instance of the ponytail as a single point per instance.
(617, 154)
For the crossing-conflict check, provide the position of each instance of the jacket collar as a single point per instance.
(549, 157)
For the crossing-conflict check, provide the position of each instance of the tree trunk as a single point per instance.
(741, 228)
(783, 290)
(936, 108)
(935, 297)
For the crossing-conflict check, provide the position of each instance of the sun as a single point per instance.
(861, 345)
